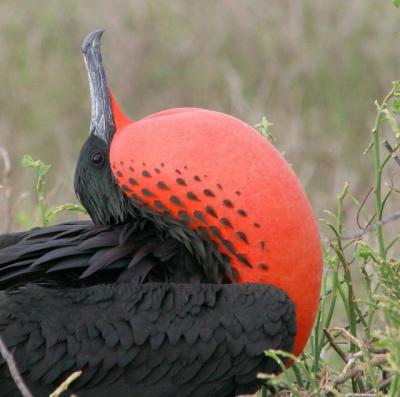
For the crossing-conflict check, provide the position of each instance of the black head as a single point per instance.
(94, 181)
(102, 196)
(96, 187)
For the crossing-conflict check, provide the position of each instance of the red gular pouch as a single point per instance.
(219, 177)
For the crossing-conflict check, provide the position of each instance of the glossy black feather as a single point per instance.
(145, 340)
(10, 239)
(82, 253)
(133, 336)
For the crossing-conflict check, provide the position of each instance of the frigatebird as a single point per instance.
(202, 253)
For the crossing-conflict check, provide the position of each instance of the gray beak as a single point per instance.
(102, 122)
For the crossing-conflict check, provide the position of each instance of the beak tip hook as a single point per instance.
(92, 40)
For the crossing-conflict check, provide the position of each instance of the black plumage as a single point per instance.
(135, 311)
(154, 339)
(81, 253)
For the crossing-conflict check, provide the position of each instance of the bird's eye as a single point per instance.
(97, 159)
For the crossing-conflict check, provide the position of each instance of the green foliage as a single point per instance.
(264, 128)
(42, 169)
(46, 214)
(396, 106)
(355, 345)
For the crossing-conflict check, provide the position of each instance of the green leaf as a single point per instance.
(43, 168)
(29, 162)
(50, 213)
(396, 3)
(364, 251)
(396, 105)
(264, 128)
(396, 83)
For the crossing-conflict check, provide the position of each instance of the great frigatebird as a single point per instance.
(202, 254)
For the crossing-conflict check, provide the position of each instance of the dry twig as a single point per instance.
(392, 151)
(335, 347)
(12, 366)
(64, 386)
(6, 189)
(394, 217)
(352, 370)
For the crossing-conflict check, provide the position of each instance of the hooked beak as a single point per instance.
(102, 123)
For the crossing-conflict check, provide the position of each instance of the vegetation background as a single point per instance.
(313, 68)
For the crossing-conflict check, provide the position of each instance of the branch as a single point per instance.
(64, 386)
(6, 187)
(391, 151)
(394, 217)
(350, 371)
(12, 366)
(335, 347)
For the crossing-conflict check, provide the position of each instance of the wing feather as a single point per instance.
(129, 339)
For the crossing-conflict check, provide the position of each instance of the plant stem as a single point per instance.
(42, 208)
(379, 205)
